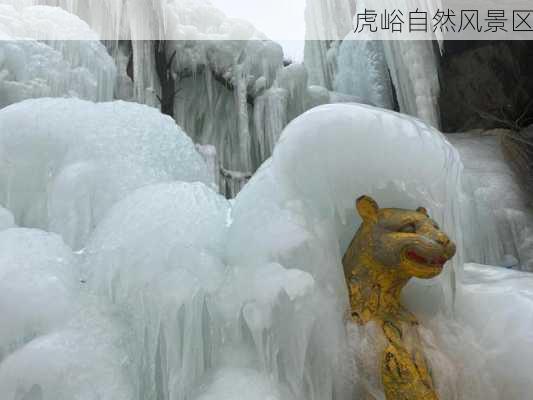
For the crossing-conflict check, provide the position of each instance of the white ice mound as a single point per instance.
(157, 255)
(335, 153)
(298, 210)
(85, 360)
(65, 162)
(242, 298)
(160, 255)
(38, 283)
(51, 68)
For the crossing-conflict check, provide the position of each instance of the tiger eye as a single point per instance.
(409, 228)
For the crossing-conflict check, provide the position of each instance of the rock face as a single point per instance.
(485, 84)
(496, 187)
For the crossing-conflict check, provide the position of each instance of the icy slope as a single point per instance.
(51, 68)
(66, 162)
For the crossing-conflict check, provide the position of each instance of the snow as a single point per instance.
(66, 162)
(31, 68)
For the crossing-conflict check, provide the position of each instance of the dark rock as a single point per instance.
(486, 84)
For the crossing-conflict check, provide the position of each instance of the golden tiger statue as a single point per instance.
(391, 247)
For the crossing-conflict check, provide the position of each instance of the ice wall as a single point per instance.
(51, 68)
(363, 72)
(34, 268)
(414, 71)
(362, 68)
(499, 195)
(65, 162)
(330, 21)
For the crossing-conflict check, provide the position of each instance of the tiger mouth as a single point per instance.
(437, 261)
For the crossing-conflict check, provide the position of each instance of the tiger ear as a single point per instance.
(367, 208)
(423, 211)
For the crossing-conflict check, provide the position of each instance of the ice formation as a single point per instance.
(178, 293)
(306, 193)
(50, 68)
(497, 194)
(6, 219)
(366, 69)
(65, 162)
(327, 23)
(182, 294)
(232, 87)
(35, 267)
(358, 58)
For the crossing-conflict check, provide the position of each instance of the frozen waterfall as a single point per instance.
(181, 294)
(51, 68)
(367, 69)
(126, 275)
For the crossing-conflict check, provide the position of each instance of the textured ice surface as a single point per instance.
(190, 296)
(325, 19)
(65, 162)
(159, 267)
(363, 72)
(413, 64)
(233, 91)
(192, 312)
(84, 360)
(38, 283)
(327, 158)
(233, 383)
(51, 68)
(498, 194)
(6, 219)
(496, 302)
